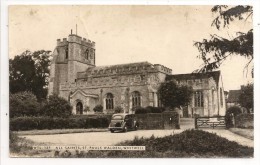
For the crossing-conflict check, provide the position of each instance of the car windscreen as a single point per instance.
(117, 117)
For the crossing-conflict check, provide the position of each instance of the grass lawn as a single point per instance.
(59, 131)
(21, 147)
(247, 133)
(190, 143)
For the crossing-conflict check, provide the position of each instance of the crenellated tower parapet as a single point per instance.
(163, 69)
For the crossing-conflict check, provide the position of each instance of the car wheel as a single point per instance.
(125, 129)
(112, 131)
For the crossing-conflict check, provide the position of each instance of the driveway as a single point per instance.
(107, 138)
(232, 137)
(97, 138)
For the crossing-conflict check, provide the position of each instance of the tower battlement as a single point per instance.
(73, 38)
(163, 69)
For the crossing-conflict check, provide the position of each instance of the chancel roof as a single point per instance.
(215, 75)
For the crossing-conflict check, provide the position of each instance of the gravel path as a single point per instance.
(188, 123)
(97, 138)
(232, 137)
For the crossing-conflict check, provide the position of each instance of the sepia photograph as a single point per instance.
(131, 81)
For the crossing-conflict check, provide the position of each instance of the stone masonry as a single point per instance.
(75, 77)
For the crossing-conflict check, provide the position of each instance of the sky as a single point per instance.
(125, 34)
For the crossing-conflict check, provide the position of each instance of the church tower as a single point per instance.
(71, 55)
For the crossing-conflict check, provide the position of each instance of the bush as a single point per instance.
(40, 123)
(98, 108)
(244, 120)
(151, 109)
(57, 107)
(148, 109)
(86, 109)
(23, 104)
(230, 113)
(19, 145)
(139, 110)
(118, 109)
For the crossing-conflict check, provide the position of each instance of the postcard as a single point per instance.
(131, 81)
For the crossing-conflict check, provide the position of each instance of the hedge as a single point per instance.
(30, 123)
(148, 109)
(158, 120)
(244, 120)
(230, 113)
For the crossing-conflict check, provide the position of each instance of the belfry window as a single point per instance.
(136, 99)
(66, 53)
(109, 101)
(198, 99)
(87, 54)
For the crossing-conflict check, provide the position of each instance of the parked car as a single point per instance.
(123, 122)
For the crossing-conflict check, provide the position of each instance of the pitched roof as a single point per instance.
(215, 75)
(128, 68)
(233, 96)
(83, 93)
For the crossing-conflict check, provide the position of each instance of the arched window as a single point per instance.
(136, 99)
(109, 101)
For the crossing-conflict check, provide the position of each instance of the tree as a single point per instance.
(173, 95)
(215, 50)
(30, 72)
(118, 109)
(246, 98)
(23, 104)
(98, 108)
(57, 107)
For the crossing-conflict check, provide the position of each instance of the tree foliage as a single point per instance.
(231, 113)
(98, 108)
(173, 95)
(57, 107)
(215, 50)
(246, 98)
(23, 104)
(118, 109)
(29, 72)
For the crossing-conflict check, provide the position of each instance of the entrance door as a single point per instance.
(185, 112)
(79, 108)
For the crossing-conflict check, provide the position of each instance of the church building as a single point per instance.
(75, 77)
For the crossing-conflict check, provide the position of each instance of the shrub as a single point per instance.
(86, 109)
(45, 122)
(119, 109)
(148, 109)
(23, 104)
(139, 110)
(98, 108)
(151, 109)
(244, 120)
(230, 113)
(57, 107)
(18, 144)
